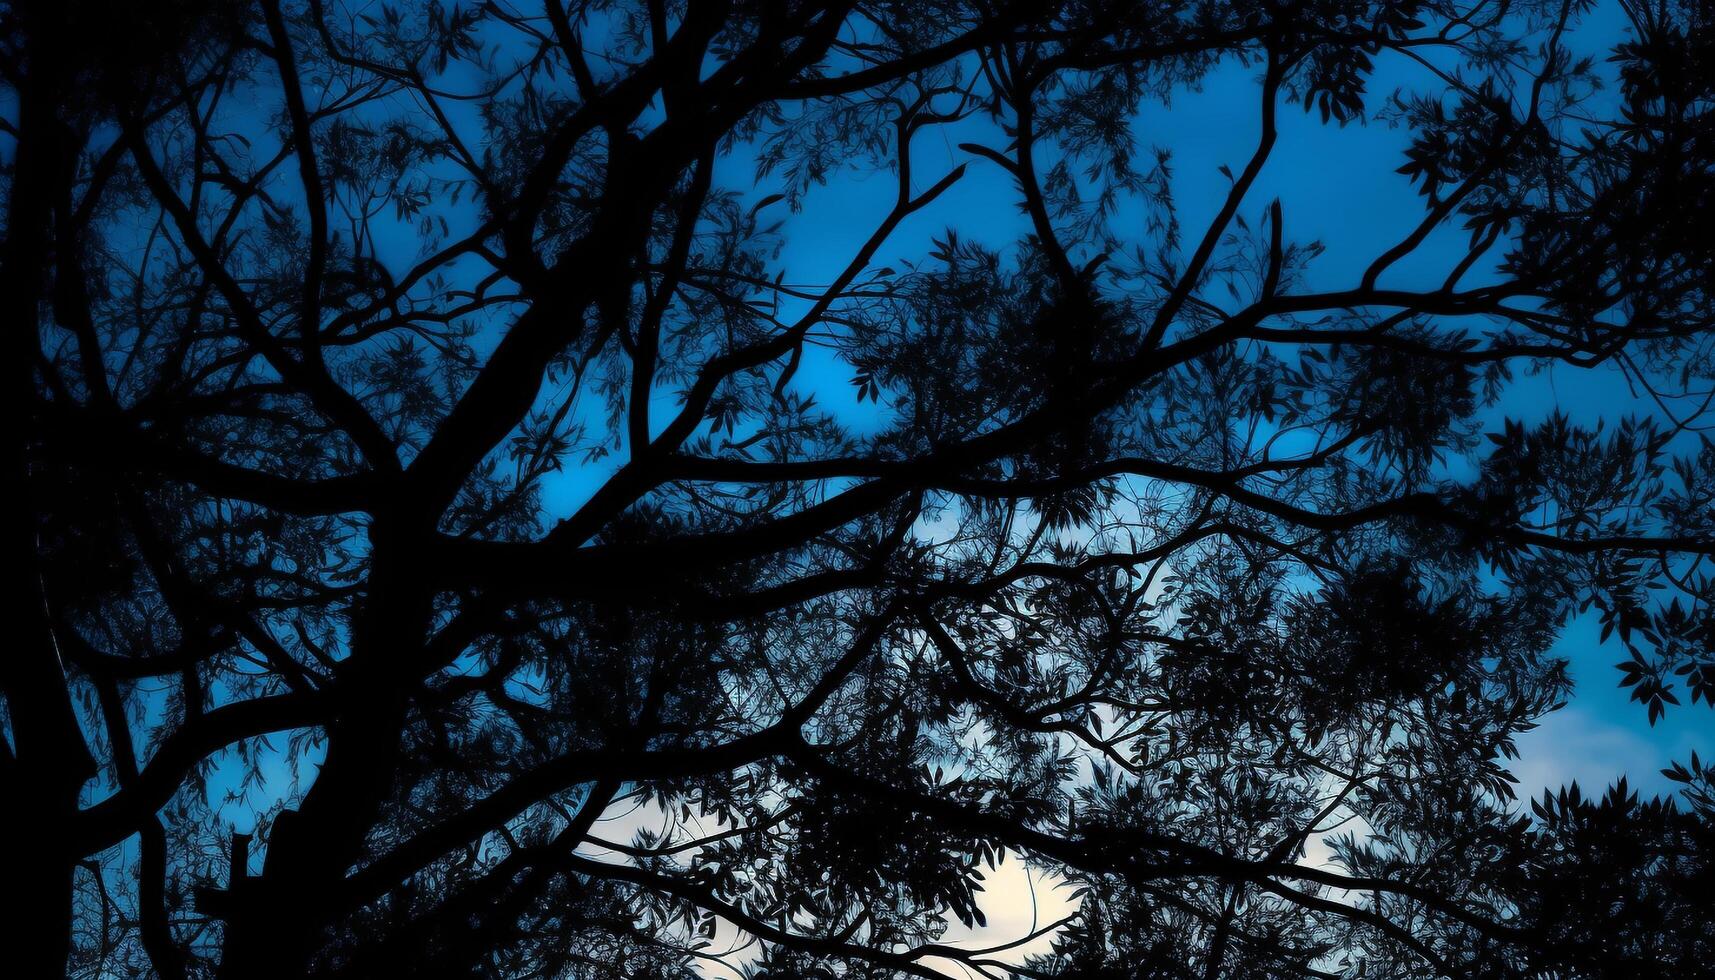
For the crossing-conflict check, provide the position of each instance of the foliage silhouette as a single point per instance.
(360, 595)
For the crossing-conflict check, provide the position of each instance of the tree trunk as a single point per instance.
(277, 921)
(44, 768)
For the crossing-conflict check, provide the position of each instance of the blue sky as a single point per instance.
(1337, 185)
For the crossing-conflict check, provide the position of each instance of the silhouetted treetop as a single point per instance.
(636, 487)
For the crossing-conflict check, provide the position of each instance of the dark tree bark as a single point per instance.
(47, 762)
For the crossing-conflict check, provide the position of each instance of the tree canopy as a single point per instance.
(456, 537)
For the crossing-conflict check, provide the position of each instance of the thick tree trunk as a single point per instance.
(47, 762)
(38, 927)
(278, 919)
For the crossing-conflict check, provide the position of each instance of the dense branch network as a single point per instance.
(438, 469)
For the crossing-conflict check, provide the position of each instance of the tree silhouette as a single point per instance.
(431, 455)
